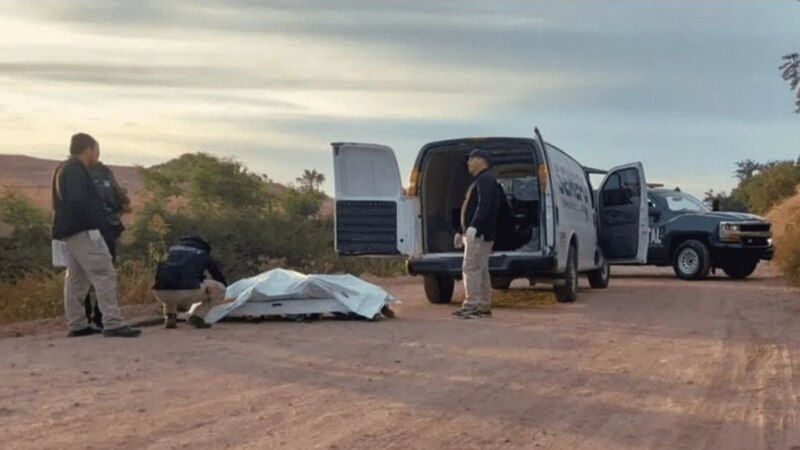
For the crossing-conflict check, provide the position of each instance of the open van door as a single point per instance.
(624, 231)
(372, 215)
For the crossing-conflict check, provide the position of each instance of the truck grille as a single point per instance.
(754, 241)
(755, 227)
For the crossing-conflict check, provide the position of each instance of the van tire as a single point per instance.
(599, 278)
(501, 283)
(692, 260)
(569, 291)
(439, 289)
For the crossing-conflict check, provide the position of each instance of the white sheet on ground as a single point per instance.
(352, 293)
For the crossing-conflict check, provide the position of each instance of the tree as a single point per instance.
(776, 181)
(746, 169)
(310, 180)
(790, 70)
(726, 202)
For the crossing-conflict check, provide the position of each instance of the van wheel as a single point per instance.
(439, 289)
(569, 292)
(692, 261)
(741, 270)
(599, 278)
(501, 283)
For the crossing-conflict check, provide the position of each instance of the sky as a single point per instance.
(687, 87)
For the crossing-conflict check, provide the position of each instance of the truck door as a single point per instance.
(622, 204)
(372, 216)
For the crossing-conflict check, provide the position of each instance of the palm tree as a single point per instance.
(791, 73)
(311, 180)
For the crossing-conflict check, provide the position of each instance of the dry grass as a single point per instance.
(786, 226)
(523, 298)
(40, 295)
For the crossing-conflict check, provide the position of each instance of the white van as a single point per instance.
(552, 227)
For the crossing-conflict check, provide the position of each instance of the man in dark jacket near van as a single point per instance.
(479, 228)
(79, 221)
(181, 281)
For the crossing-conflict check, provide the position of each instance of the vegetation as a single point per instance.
(251, 227)
(761, 186)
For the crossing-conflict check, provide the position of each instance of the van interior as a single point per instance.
(444, 179)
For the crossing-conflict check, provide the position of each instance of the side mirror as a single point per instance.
(655, 213)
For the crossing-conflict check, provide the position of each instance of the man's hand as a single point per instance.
(458, 241)
(472, 232)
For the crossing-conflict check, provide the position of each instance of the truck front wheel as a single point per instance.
(692, 260)
(439, 288)
(741, 270)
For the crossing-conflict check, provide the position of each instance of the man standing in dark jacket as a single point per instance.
(479, 227)
(181, 281)
(79, 221)
(115, 203)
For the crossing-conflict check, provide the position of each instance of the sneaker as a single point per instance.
(198, 322)
(88, 331)
(485, 313)
(467, 313)
(123, 331)
(171, 321)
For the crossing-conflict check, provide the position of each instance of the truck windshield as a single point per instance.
(681, 202)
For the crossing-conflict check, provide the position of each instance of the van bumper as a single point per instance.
(502, 265)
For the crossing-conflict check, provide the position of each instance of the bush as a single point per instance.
(40, 294)
(786, 226)
(26, 248)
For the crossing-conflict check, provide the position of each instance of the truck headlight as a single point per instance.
(729, 231)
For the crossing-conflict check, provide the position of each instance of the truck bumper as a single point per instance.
(499, 265)
(728, 252)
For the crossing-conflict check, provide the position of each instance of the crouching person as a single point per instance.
(181, 281)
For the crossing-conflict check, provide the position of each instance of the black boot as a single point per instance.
(198, 322)
(171, 321)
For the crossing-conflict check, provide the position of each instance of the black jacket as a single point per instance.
(481, 205)
(77, 205)
(115, 200)
(186, 265)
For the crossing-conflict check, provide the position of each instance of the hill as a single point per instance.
(32, 177)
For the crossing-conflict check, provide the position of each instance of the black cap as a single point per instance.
(482, 154)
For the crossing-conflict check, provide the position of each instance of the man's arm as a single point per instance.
(121, 193)
(215, 272)
(487, 195)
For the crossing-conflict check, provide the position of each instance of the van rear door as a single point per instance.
(372, 215)
(622, 210)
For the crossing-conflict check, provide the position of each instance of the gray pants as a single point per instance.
(210, 294)
(477, 283)
(90, 265)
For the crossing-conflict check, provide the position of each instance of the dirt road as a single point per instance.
(652, 362)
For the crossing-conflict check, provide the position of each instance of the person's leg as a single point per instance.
(76, 289)
(170, 302)
(485, 301)
(95, 260)
(87, 306)
(213, 294)
(472, 274)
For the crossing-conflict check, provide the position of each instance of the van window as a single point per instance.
(622, 188)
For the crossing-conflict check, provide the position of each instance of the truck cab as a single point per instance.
(552, 225)
(694, 240)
